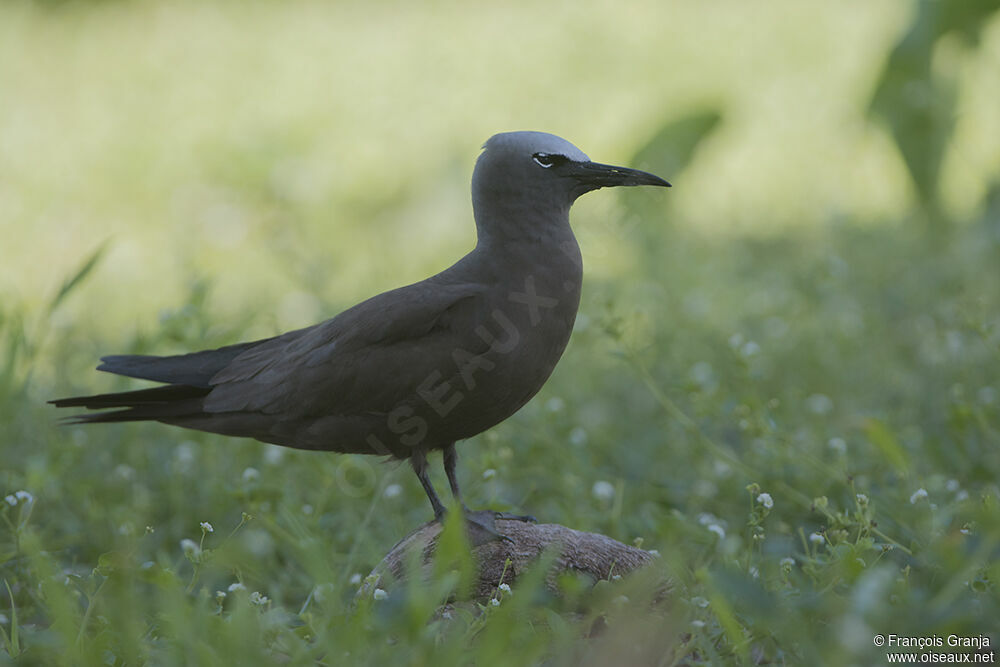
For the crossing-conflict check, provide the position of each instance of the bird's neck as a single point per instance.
(548, 252)
(503, 222)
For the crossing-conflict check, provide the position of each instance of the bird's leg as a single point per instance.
(419, 463)
(481, 524)
(450, 461)
(483, 518)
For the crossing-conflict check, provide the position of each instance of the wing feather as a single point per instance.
(365, 360)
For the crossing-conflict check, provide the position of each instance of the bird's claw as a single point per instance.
(482, 527)
(482, 524)
(507, 516)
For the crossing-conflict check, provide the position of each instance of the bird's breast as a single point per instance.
(493, 351)
(524, 324)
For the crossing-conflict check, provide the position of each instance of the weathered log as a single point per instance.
(593, 555)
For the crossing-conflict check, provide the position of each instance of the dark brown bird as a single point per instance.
(417, 368)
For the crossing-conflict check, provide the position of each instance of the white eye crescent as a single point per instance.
(545, 160)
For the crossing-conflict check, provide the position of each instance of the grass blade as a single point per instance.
(78, 276)
(13, 642)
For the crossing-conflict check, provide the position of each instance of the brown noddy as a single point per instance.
(417, 368)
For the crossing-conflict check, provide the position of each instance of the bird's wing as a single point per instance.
(366, 360)
(195, 369)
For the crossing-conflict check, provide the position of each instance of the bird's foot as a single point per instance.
(507, 516)
(481, 525)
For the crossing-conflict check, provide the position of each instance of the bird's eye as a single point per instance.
(546, 160)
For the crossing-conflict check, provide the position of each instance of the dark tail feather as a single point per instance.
(134, 415)
(131, 399)
(156, 403)
(115, 416)
(187, 376)
(195, 369)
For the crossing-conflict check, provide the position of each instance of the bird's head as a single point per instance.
(540, 170)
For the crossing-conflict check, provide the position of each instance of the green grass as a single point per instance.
(792, 387)
(840, 375)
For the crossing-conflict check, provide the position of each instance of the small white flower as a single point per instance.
(654, 552)
(494, 602)
(251, 475)
(702, 373)
(206, 527)
(718, 530)
(258, 599)
(124, 471)
(603, 490)
(955, 342)
(918, 495)
(819, 404)
(392, 491)
(320, 592)
(953, 485)
(11, 500)
(489, 473)
(698, 624)
(555, 404)
(355, 579)
(185, 453)
(862, 499)
(987, 395)
(273, 454)
(307, 509)
(766, 500)
(616, 577)
(220, 595)
(699, 601)
(750, 348)
(379, 594)
(505, 588)
(578, 436)
(705, 518)
(816, 538)
(236, 587)
(838, 445)
(754, 572)
(24, 496)
(787, 563)
(962, 495)
(190, 548)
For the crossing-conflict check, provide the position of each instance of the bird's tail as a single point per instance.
(158, 403)
(188, 378)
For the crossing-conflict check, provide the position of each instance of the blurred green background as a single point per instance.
(812, 309)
